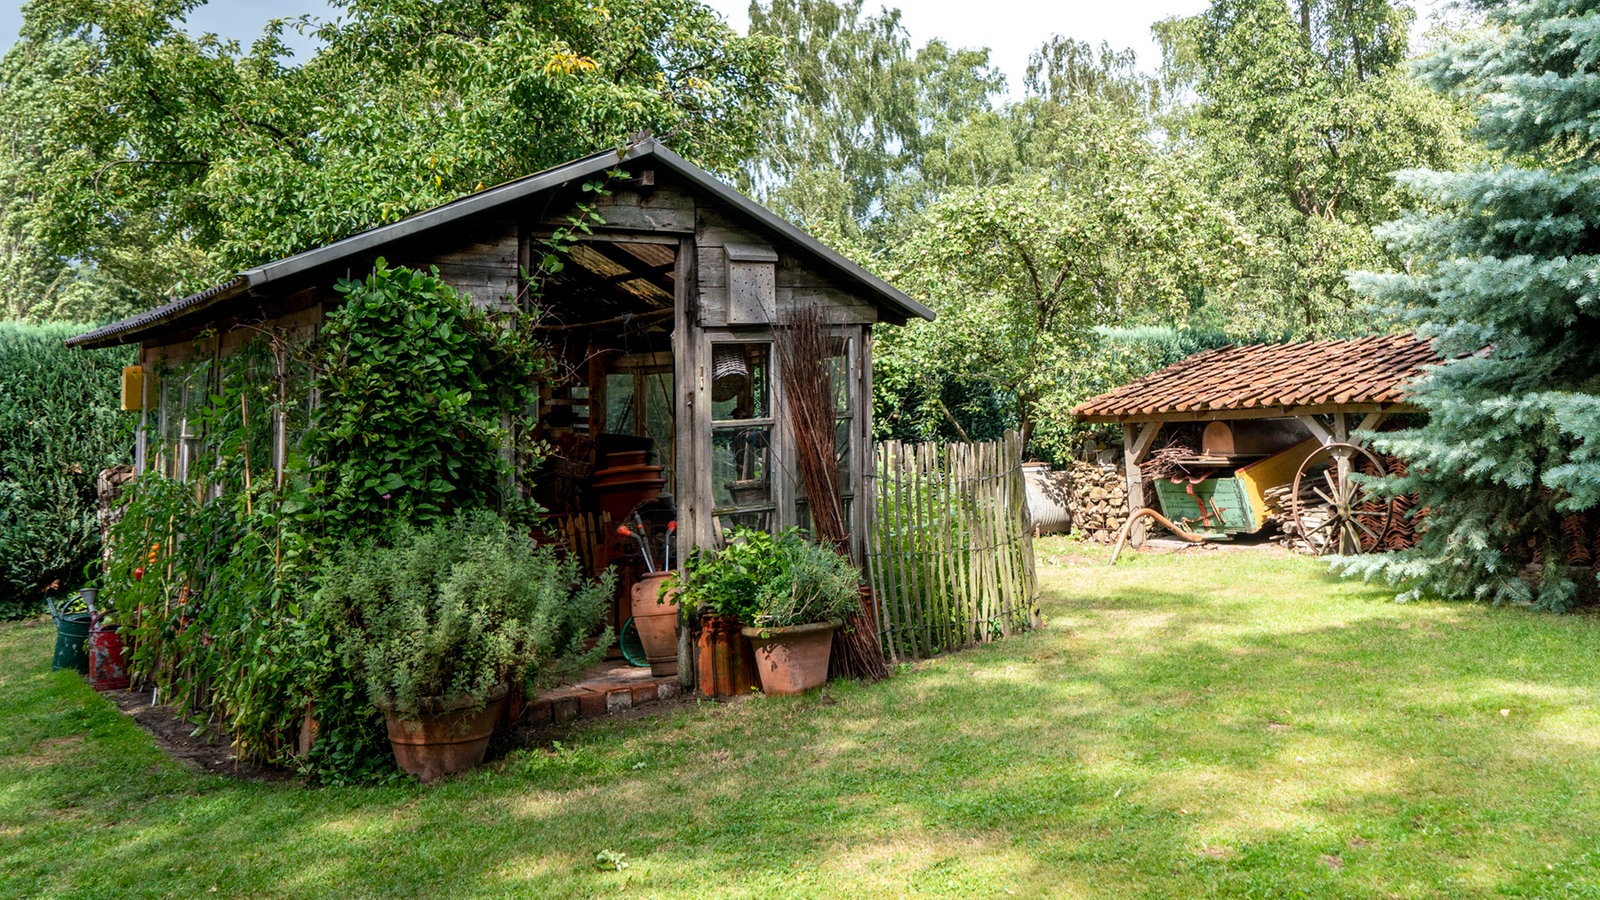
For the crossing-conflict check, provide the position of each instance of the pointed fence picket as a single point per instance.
(950, 547)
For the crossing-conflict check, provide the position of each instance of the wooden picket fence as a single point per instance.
(949, 547)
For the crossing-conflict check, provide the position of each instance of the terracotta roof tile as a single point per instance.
(1314, 373)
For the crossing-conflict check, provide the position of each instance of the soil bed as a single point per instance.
(175, 736)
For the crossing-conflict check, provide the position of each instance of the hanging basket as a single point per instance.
(730, 372)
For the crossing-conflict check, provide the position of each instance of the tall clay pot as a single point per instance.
(726, 665)
(454, 740)
(792, 660)
(656, 623)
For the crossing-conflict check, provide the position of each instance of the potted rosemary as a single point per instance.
(440, 623)
(788, 593)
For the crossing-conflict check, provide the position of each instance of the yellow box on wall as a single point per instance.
(133, 387)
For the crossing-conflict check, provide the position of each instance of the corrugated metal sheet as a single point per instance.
(114, 333)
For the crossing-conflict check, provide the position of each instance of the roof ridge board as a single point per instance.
(452, 211)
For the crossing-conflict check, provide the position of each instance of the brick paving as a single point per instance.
(608, 688)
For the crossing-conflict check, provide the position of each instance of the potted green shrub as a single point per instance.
(440, 623)
(789, 594)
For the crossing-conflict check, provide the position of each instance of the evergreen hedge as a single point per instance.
(59, 426)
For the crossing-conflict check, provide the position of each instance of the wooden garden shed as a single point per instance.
(663, 316)
(1266, 409)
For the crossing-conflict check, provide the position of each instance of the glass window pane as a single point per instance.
(841, 449)
(659, 419)
(741, 381)
(740, 460)
(619, 403)
(839, 377)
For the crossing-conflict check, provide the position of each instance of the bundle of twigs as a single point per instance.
(804, 348)
(1161, 464)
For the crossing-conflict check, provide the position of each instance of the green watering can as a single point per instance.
(72, 635)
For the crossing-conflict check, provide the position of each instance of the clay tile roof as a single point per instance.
(1277, 376)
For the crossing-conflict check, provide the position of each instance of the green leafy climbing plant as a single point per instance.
(419, 392)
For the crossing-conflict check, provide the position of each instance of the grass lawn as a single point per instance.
(1213, 724)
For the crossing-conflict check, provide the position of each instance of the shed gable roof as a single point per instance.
(1361, 371)
(897, 303)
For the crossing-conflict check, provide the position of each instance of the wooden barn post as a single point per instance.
(1136, 442)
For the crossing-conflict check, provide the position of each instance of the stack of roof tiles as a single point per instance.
(1372, 370)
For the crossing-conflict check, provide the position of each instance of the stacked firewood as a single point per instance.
(108, 487)
(1314, 513)
(1098, 500)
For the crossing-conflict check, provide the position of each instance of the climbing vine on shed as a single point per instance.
(419, 394)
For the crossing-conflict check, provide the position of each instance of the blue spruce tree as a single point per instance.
(1503, 273)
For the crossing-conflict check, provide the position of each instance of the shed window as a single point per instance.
(741, 434)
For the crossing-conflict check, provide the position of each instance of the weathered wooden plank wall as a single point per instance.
(949, 547)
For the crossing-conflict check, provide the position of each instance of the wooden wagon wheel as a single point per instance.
(1357, 521)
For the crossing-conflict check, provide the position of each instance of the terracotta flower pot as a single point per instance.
(726, 664)
(792, 660)
(451, 741)
(656, 623)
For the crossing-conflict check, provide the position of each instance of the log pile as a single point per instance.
(108, 488)
(1098, 501)
(1280, 514)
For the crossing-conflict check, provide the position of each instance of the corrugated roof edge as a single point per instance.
(113, 334)
(128, 329)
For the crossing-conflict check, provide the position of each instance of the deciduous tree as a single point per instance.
(241, 155)
(1304, 111)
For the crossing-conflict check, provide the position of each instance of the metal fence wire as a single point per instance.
(950, 545)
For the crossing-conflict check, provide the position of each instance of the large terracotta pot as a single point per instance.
(452, 741)
(792, 660)
(656, 623)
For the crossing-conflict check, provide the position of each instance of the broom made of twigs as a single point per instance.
(804, 348)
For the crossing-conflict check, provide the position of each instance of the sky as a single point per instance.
(1010, 28)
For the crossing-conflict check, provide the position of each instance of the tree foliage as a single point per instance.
(865, 112)
(220, 156)
(1503, 273)
(1303, 112)
(1110, 232)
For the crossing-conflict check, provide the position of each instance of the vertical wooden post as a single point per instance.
(1341, 455)
(860, 400)
(1136, 441)
(692, 465)
(148, 395)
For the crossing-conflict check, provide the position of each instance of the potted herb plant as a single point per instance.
(440, 623)
(789, 594)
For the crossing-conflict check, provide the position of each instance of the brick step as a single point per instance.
(604, 690)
